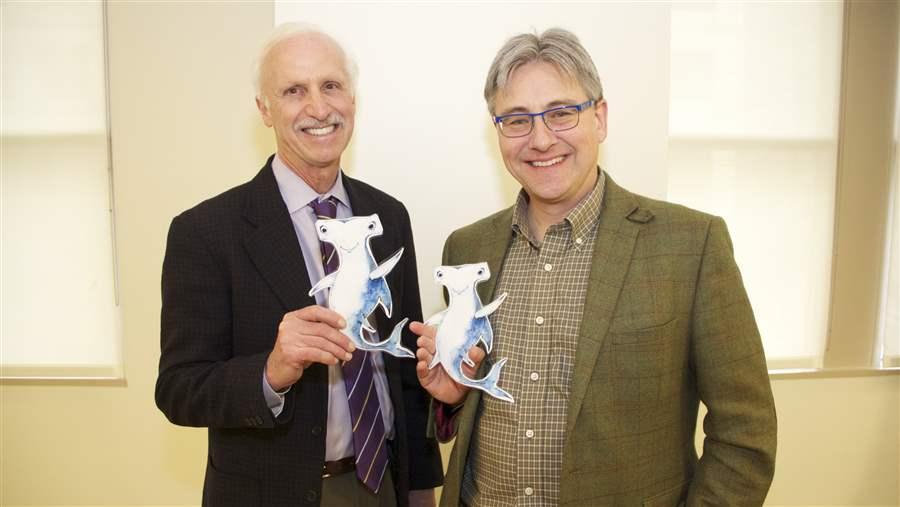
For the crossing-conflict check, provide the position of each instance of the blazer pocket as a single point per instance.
(645, 334)
(225, 489)
(672, 497)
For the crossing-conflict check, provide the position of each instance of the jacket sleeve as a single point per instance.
(738, 459)
(426, 469)
(201, 382)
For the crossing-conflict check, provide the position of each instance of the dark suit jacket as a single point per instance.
(666, 324)
(233, 268)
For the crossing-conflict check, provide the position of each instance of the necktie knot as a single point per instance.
(324, 209)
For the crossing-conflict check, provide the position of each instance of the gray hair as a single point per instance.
(555, 46)
(287, 31)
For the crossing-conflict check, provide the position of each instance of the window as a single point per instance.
(755, 90)
(60, 317)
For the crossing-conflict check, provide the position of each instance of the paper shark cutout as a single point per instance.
(358, 285)
(465, 323)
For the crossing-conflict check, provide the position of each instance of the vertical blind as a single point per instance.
(753, 138)
(60, 317)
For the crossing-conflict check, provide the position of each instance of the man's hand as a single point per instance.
(436, 381)
(308, 335)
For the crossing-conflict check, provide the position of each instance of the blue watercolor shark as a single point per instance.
(465, 323)
(358, 285)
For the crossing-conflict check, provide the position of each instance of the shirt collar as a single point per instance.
(297, 194)
(582, 218)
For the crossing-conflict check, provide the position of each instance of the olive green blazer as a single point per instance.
(667, 324)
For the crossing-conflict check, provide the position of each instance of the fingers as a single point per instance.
(476, 356)
(311, 335)
(316, 313)
(321, 350)
(424, 358)
(425, 350)
(316, 321)
(425, 375)
(423, 330)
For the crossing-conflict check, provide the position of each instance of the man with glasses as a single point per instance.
(623, 313)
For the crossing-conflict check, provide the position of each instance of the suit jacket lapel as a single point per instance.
(493, 251)
(273, 245)
(616, 236)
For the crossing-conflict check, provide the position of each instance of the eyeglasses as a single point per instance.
(557, 119)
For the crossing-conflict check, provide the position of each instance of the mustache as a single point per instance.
(333, 118)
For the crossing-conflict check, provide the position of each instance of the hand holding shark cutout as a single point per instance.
(358, 285)
(465, 323)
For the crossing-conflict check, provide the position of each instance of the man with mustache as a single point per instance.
(623, 313)
(296, 414)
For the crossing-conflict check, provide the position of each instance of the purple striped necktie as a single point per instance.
(365, 409)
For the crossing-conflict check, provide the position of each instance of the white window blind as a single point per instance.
(60, 317)
(753, 137)
(889, 325)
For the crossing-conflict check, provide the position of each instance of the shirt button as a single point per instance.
(529, 491)
(534, 376)
(579, 241)
(548, 267)
(529, 434)
(539, 320)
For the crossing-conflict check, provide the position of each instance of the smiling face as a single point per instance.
(556, 169)
(306, 96)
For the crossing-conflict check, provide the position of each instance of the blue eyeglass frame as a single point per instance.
(578, 107)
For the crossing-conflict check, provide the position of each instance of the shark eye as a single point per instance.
(480, 271)
(371, 226)
(440, 274)
(323, 229)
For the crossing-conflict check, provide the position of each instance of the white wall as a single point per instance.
(419, 61)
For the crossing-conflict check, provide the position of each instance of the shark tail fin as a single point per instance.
(489, 383)
(392, 345)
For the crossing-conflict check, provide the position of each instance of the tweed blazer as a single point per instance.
(233, 267)
(667, 324)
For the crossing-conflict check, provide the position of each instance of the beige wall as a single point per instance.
(184, 127)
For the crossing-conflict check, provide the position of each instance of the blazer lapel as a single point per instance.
(493, 251)
(616, 236)
(273, 246)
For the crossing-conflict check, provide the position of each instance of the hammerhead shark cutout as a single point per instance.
(358, 286)
(464, 324)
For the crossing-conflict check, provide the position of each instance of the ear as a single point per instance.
(263, 106)
(600, 114)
